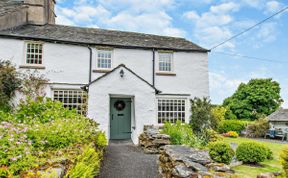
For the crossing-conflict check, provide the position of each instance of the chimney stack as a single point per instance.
(40, 12)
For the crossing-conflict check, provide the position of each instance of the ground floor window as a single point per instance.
(171, 110)
(72, 99)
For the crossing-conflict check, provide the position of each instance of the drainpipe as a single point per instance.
(153, 67)
(90, 64)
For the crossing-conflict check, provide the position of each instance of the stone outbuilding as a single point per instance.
(279, 119)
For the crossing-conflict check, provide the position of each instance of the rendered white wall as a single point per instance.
(67, 66)
(128, 86)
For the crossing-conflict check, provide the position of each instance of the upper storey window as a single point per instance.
(104, 59)
(165, 62)
(34, 53)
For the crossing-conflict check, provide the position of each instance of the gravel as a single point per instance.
(125, 160)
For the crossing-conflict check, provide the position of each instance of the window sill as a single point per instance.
(166, 73)
(101, 70)
(27, 66)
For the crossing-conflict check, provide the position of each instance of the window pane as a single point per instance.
(34, 53)
(104, 59)
(72, 99)
(165, 62)
(171, 110)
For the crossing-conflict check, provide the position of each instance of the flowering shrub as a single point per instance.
(231, 134)
(61, 133)
(42, 110)
(41, 131)
(16, 148)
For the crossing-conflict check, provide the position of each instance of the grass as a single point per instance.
(268, 165)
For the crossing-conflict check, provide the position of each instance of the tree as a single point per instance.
(256, 98)
(218, 113)
(202, 117)
(9, 83)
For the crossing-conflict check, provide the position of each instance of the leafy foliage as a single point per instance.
(41, 130)
(42, 110)
(182, 134)
(257, 128)
(218, 113)
(33, 84)
(231, 125)
(252, 100)
(9, 83)
(284, 160)
(202, 117)
(252, 152)
(212, 136)
(87, 164)
(62, 133)
(221, 152)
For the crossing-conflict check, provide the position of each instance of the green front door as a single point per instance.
(120, 118)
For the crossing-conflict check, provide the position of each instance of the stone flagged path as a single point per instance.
(125, 160)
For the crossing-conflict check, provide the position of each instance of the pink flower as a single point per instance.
(18, 143)
(13, 159)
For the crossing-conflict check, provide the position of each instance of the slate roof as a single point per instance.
(279, 115)
(94, 36)
(8, 6)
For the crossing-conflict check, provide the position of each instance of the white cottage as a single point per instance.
(130, 79)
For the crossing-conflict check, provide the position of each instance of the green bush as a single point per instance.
(42, 110)
(181, 134)
(284, 160)
(9, 83)
(87, 164)
(257, 129)
(202, 117)
(63, 132)
(231, 125)
(221, 152)
(252, 152)
(101, 140)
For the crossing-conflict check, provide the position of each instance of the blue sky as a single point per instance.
(205, 22)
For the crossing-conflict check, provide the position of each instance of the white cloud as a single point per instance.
(273, 6)
(225, 8)
(222, 87)
(192, 15)
(212, 27)
(131, 15)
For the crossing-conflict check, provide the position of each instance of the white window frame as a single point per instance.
(172, 62)
(26, 53)
(83, 112)
(186, 100)
(97, 62)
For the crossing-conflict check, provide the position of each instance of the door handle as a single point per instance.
(112, 117)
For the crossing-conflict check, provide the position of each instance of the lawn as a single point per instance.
(268, 165)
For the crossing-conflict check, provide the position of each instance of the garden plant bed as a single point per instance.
(251, 171)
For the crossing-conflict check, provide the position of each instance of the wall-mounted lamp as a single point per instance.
(121, 73)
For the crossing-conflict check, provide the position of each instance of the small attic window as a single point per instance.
(34, 53)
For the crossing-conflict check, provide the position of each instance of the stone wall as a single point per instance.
(151, 141)
(183, 162)
(13, 19)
